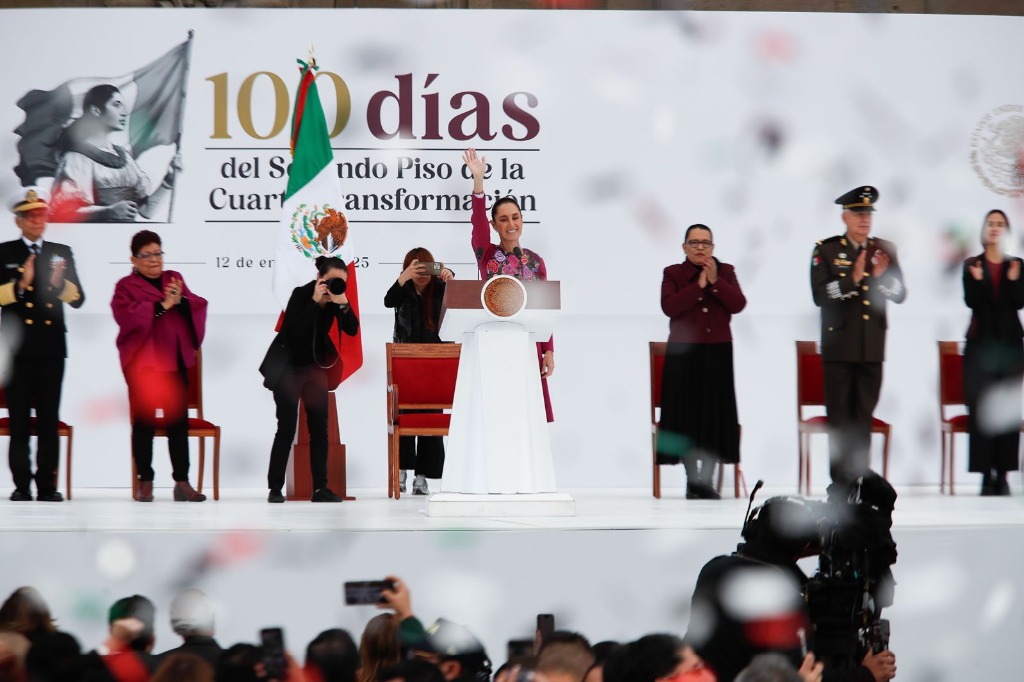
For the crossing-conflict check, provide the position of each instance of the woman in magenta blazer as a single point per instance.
(699, 425)
(161, 326)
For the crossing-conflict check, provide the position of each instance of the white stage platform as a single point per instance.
(623, 566)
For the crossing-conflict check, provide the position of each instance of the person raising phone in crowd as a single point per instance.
(296, 367)
(416, 299)
(506, 257)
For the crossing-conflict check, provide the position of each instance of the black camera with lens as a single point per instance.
(336, 285)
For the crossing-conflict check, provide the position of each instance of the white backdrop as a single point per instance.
(645, 122)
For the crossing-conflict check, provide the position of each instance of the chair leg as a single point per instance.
(942, 472)
(952, 462)
(67, 475)
(216, 464)
(394, 464)
(657, 469)
(737, 473)
(391, 468)
(135, 480)
(202, 463)
(743, 481)
(800, 464)
(807, 466)
(885, 454)
(721, 477)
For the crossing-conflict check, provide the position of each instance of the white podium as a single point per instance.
(498, 457)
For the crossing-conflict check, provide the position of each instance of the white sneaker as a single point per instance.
(402, 475)
(419, 486)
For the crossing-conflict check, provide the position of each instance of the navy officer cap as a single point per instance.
(860, 199)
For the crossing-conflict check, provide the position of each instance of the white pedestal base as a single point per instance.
(498, 441)
(532, 504)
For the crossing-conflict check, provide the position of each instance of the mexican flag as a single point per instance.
(312, 224)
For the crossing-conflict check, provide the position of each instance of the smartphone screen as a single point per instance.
(366, 591)
(272, 644)
(519, 648)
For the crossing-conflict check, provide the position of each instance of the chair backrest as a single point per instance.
(951, 375)
(195, 385)
(657, 356)
(424, 373)
(810, 376)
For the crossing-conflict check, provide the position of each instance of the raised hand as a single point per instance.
(477, 164)
(975, 269)
(882, 665)
(320, 291)
(711, 269)
(28, 272)
(858, 266)
(702, 281)
(879, 263)
(57, 273)
(414, 270)
(811, 670)
(447, 275)
(1013, 272)
(172, 293)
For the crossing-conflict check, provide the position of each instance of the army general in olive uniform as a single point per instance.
(853, 277)
(37, 278)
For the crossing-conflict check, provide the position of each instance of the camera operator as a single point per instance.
(752, 601)
(297, 367)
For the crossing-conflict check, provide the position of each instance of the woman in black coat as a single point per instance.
(416, 298)
(993, 357)
(296, 366)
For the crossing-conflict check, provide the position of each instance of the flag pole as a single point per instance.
(181, 118)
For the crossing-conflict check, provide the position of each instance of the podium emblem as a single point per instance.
(503, 297)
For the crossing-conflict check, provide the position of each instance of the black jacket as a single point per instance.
(853, 317)
(410, 325)
(993, 316)
(36, 316)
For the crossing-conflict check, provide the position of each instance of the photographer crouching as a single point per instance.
(758, 600)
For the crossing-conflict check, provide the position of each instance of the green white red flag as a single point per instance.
(312, 224)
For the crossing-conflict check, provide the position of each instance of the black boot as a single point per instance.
(1002, 486)
(988, 484)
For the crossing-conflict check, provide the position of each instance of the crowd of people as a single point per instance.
(394, 646)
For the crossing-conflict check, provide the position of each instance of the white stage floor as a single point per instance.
(624, 566)
(112, 510)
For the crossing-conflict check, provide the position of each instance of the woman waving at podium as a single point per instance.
(506, 257)
(699, 426)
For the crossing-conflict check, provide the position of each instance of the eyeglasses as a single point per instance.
(700, 243)
(150, 256)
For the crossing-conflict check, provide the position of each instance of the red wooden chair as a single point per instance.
(421, 376)
(198, 427)
(64, 430)
(951, 394)
(657, 363)
(810, 392)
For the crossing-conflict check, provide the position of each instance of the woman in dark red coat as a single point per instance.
(699, 425)
(161, 325)
(993, 357)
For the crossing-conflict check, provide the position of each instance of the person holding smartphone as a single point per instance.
(296, 367)
(416, 299)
